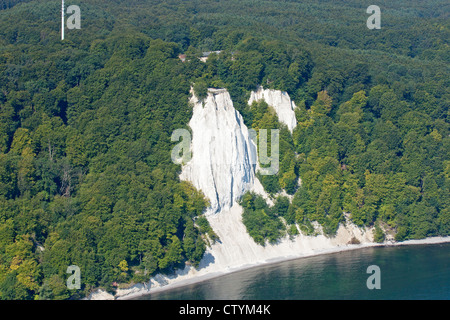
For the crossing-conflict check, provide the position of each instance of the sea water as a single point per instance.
(404, 272)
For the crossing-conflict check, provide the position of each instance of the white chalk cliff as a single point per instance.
(280, 101)
(223, 154)
(223, 166)
(224, 157)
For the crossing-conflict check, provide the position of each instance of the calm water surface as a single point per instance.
(407, 272)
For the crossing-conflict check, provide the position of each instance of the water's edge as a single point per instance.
(145, 290)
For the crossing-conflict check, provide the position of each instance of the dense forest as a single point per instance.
(86, 176)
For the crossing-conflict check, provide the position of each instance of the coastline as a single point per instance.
(206, 277)
(179, 280)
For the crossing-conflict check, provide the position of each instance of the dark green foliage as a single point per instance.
(93, 183)
(85, 171)
(7, 4)
(204, 228)
(261, 116)
(201, 89)
(261, 221)
(379, 235)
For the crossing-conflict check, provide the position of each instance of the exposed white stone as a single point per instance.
(100, 294)
(223, 167)
(280, 101)
(223, 154)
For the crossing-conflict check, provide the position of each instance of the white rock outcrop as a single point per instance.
(280, 101)
(223, 166)
(223, 154)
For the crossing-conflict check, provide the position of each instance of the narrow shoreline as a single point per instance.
(203, 277)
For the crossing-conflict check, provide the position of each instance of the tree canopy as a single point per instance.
(86, 176)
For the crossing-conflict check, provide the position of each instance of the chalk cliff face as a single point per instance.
(223, 154)
(223, 164)
(280, 101)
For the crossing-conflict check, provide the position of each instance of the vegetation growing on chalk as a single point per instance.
(85, 124)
